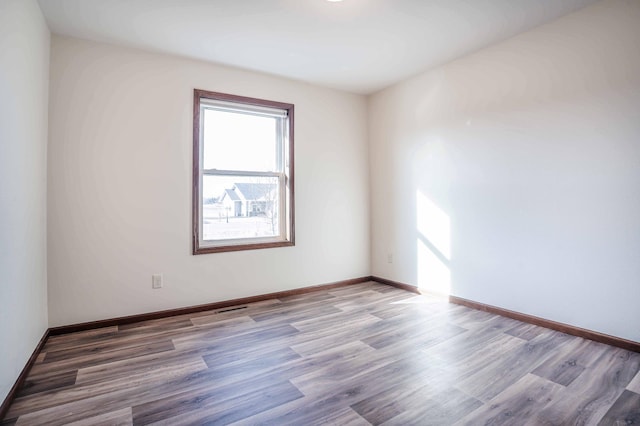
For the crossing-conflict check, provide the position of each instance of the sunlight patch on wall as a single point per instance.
(433, 246)
(434, 224)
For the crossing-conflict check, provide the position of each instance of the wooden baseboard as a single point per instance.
(54, 331)
(407, 287)
(396, 284)
(553, 325)
(4, 408)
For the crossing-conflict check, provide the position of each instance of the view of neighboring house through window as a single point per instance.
(243, 173)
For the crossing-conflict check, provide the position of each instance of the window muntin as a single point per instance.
(243, 173)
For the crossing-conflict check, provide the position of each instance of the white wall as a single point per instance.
(521, 165)
(24, 73)
(120, 185)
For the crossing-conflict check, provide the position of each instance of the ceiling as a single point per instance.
(359, 46)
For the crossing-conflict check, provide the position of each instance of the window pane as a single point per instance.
(234, 141)
(236, 207)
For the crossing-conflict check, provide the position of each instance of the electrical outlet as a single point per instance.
(389, 257)
(156, 281)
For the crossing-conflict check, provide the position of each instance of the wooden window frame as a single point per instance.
(286, 209)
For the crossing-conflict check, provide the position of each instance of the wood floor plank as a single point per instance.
(88, 351)
(467, 345)
(525, 331)
(311, 411)
(347, 291)
(422, 306)
(89, 359)
(625, 411)
(153, 364)
(357, 355)
(115, 395)
(118, 340)
(35, 384)
(215, 340)
(517, 404)
(259, 362)
(332, 335)
(223, 412)
(76, 339)
(294, 314)
(40, 357)
(504, 371)
(421, 335)
(417, 399)
(358, 301)
(320, 296)
(343, 417)
(338, 321)
(164, 324)
(570, 361)
(216, 321)
(46, 405)
(634, 385)
(472, 319)
(344, 371)
(587, 399)
(116, 418)
(443, 408)
(339, 363)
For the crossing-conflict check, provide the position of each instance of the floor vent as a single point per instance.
(237, 308)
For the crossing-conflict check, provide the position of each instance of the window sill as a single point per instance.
(197, 249)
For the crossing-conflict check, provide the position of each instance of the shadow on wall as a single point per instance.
(433, 246)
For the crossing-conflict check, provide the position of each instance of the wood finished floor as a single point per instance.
(357, 355)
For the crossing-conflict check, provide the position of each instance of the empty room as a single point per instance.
(301, 212)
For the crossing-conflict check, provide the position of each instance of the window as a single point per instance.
(242, 173)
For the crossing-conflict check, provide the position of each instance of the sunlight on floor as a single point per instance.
(423, 299)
